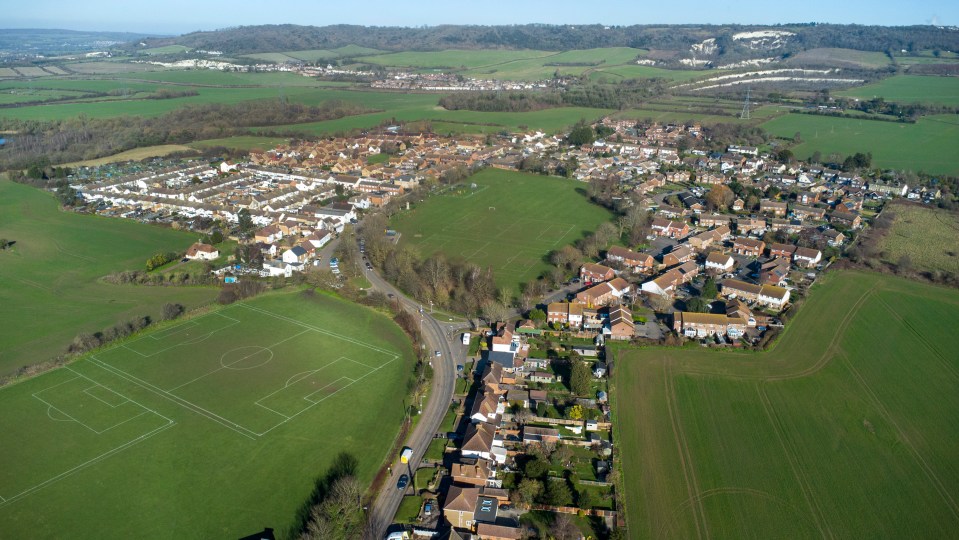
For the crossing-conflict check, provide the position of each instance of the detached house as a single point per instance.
(678, 255)
(807, 257)
(203, 252)
(621, 324)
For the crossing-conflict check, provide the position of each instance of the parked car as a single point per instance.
(403, 482)
(439, 353)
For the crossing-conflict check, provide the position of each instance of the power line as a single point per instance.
(745, 113)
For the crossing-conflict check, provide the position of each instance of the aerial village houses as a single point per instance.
(638, 262)
(748, 247)
(807, 257)
(595, 273)
(767, 295)
(700, 325)
(669, 228)
(604, 293)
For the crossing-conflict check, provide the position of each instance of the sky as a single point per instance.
(182, 16)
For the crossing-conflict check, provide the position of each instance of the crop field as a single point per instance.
(50, 289)
(928, 145)
(911, 89)
(530, 64)
(135, 154)
(847, 428)
(314, 55)
(510, 221)
(850, 58)
(928, 236)
(172, 431)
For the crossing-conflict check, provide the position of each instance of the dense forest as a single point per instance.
(81, 138)
(287, 37)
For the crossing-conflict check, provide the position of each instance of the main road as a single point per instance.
(441, 395)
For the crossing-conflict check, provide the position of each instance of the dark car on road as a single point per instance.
(403, 482)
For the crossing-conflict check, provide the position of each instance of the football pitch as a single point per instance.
(510, 221)
(246, 376)
(847, 428)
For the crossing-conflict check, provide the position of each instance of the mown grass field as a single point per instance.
(847, 428)
(49, 279)
(928, 236)
(213, 427)
(928, 145)
(911, 89)
(511, 222)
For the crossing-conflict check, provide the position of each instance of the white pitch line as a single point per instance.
(85, 464)
(176, 399)
(221, 368)
(320, 330)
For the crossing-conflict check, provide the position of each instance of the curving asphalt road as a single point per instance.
(441, 394)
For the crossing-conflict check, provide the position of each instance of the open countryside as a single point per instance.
(509, 221)
(840, 430)
(53, 272)
(264, 402)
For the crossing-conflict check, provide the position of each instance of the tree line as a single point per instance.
(603, 96)
(290, 37)
(39, 143)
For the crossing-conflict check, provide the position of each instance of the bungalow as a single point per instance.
(719, 262)
(504, 340)
(203, 252)
(678, 255)
(621, 324)
(767, 295)
(777, 209)
(700, 325)
(748, 247)
(807, 257)
(638, 262)
(595, 273)
(669, 228)
(535, 434)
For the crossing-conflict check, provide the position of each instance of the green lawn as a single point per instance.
(510, 222)
(409, 509)
(243, 142)
(846, 428)
(170, 433)
(928, 145)
(911, 89)
(49, 280)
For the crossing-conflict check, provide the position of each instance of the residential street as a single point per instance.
(444, 374)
